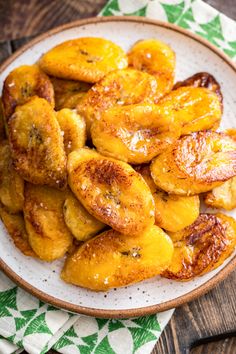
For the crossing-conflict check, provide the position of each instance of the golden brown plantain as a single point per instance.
(196, 163)
(206, 156)
(223, 196)
(155, 58)
(111, 191)
(3, 132)
(49, 236)
(202, 246)
(172, 212)
(170, 179)
(87, 59)
(11, 184)
(202, 79)
(231, 132)
(37, 145)
(73, 100)
(134, 133)
(194, 108)
(22, 83)
(15, 226)
(73, 128)
(65, 90)
(120, 87)
(82, 225)
(112, 259)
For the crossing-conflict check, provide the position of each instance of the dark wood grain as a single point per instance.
(213, 313)
(5, 50)
(24, 18)
(226, 346)
(228, 7)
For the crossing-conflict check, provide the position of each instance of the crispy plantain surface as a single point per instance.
(3, 126)
(194, 108)
(134, 133)
(74, 100)
(15, 225)
(82, 225)
(111, 191)
(156, 58)
(11, 184)
(49, 236)
(206, 156)
(23, 83)
(172, 212)
(112, 259)
(37, 145)
(231, 132)
(223, 196)
(117, 88)
(73, 128)
(65, 90)
(202, 246)
(196, 163)
(86, 59)
(202, 79)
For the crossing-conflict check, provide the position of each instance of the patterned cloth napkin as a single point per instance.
(26, 322)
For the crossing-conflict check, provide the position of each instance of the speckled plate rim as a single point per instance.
(142, 311)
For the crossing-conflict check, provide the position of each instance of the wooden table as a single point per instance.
(214, 314)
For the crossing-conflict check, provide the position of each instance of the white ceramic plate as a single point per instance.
(42, 279)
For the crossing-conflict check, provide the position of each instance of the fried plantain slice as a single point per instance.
(11, 184)
(202, 79)
(22, 83)
(168, 178)
(66, 89)
(195, 164)
(155, 58)
(120, 87)
(3, 132)
(172, 212)
(223, 196)
(73, 128)
(49, 236)
(202, 246)
(73, 100)
(111, 191)
(206, 156)
(134, 133)
(15, 226)
(87, 59)
(232, 133)
(195, 108)
(112, 259)
(37, 145)
(82, 225)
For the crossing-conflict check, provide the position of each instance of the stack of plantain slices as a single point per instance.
(104, 160)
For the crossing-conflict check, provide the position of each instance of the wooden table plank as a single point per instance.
(226, 346)
(5, 50)
(228, 7)
(24, 18)
(211, 314)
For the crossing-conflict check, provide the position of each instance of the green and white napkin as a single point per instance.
(194, 15)
(26, 322)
